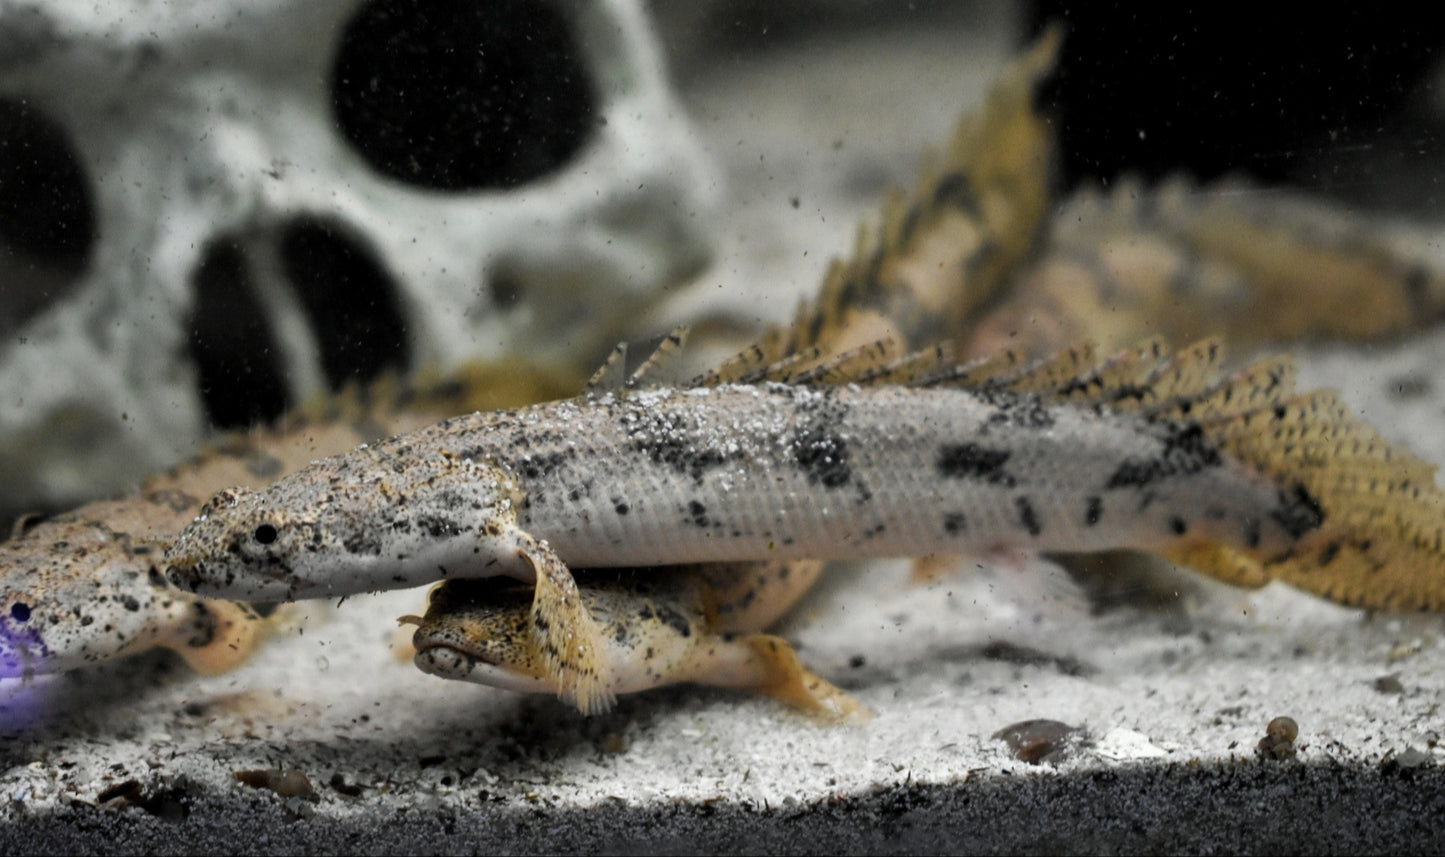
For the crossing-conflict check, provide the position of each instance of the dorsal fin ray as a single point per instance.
(1184, 374)
(911, 368)
(666, 350)
(735, 368)
(783, 371)
(852, 365)
(609, 375)
(1113, 380)
(973, 374)
(1050, 373)
(1265, 381)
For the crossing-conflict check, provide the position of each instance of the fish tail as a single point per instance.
(1369, 519)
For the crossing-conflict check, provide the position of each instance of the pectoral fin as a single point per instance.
(566, 634)
(783, 677)
(215, 636)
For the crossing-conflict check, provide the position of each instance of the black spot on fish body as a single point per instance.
(869, 534)
(954, 523)
(541, 466)
(747, 599)
(363, 542)
(1178, 526)
(621, 508)
(698, 513)
(1298, 512)
(1012, 410)
(650, 612)
(1028, 517)
(675, 620)
(1094, 510)
(972, 461)
(672, 441)
(203, 626)
(439, 527)
(1186, 452)
(819, 446)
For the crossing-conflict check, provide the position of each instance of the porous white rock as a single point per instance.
(209, 133)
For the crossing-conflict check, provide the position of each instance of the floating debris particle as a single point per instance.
(1410, 386)
(1389, 684)
(1401, 651)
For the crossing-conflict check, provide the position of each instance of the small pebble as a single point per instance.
(1038, 741)
(285, 783)
(1278, 740)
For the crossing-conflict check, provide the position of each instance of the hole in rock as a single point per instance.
(232, 343)
(47, 218)
(505, 287)
(349, 299)
(462, 96)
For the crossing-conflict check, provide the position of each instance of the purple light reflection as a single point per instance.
(25, 704)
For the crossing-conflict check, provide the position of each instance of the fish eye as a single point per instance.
(265, 534)
(20, 612)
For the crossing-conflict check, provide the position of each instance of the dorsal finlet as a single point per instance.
(784, 370)
(609, 375)
(852, 365)
(23, 523)
(738, 366)
(910, 368)
(665, 350)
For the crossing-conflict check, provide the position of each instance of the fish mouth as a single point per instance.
(445, 662)
(202, 578)
(440, 659)
(184, 574)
